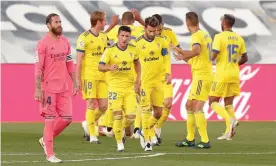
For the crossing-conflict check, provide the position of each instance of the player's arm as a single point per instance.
(138, 17)
(137, 67)
(105, 61)
(81, 45)
(216, 47)
(174, 39)
(114, 21)
(39, 68)
(71, 69)
(167, 61)
(244, 57)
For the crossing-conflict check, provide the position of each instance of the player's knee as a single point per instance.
(91, 104)
(157, 114)
(189, 106)
(168, 105)
(103, 108)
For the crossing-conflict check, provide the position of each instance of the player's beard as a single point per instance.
(150, 37)
(222, 28)
(56, 31)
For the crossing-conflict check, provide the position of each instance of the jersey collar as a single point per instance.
(147, 39)
(120, 48)
(93, 33)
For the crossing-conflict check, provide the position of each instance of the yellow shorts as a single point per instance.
(200, 90)
(152, 96)
(94, 89)
(124, 100)
(168, 91)
(222, 89)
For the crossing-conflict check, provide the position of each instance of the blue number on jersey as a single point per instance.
(231, 48)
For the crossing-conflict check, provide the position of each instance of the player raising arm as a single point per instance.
(201, 65)
(229, 51)
(90, 47)
(119, 60)
(155, 62)
(53, 64)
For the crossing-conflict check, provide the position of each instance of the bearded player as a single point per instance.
(155, 62)
(90, 47)
(229, 51)
(119, 60)
(54, 62)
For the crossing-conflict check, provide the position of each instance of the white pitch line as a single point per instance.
(97, 159)
(118, 154)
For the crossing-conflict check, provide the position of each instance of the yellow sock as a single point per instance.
(98, 114)
(118, 128)
(163, 118)
(137, 123)
(146, 114)
(191, 124)
(105, 119)
(201, 124)
(230, 110)
(152, 122)
(127, 122)
(221, 111)
(110, 119)
(90, 119)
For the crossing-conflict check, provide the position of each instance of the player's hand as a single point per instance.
(75, 90)
(38, 95)
(136, 14)
(168, 78)
(137, 85)
(115, 20)
(113, 67)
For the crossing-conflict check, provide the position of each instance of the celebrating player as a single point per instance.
(199, 58)
(171, 38)
(90, 46)
(53, 63)
(229, 51)
(119, 60)
(155, 62)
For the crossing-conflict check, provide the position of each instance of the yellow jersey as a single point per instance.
(170, 38)
(154, 59)
(230, 47)
(136, 31)
(93, 47)
(123, 77)
(201, 64)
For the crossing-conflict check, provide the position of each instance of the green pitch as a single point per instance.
(254, 144)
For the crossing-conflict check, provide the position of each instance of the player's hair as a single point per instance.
(151, 21)
(49, 17)
(193, 18)
(128, 16)
(158, 17)
(229, 19)
(124, 28)
(97, 16)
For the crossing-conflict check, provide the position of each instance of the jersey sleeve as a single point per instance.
(195, 40)
(40, 58)
(216, 44)
(105, 59)
(243, 47)
(174, 39)
(69, 60)
(136, 56)
(165, 46)
(81, 43)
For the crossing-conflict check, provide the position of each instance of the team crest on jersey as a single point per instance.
(152, 53)
(124, 63)
(99, 48)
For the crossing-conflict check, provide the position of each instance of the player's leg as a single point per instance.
(102, 94)
(168, 93)
(130, 107)
(109, 118)
(48, 111)
(201, 96)
(157, 99)
(116, 103)
(146, 114)
(64, 110)
(137, 123)
(218, 90)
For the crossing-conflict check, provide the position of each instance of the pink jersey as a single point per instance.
(53, 63)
